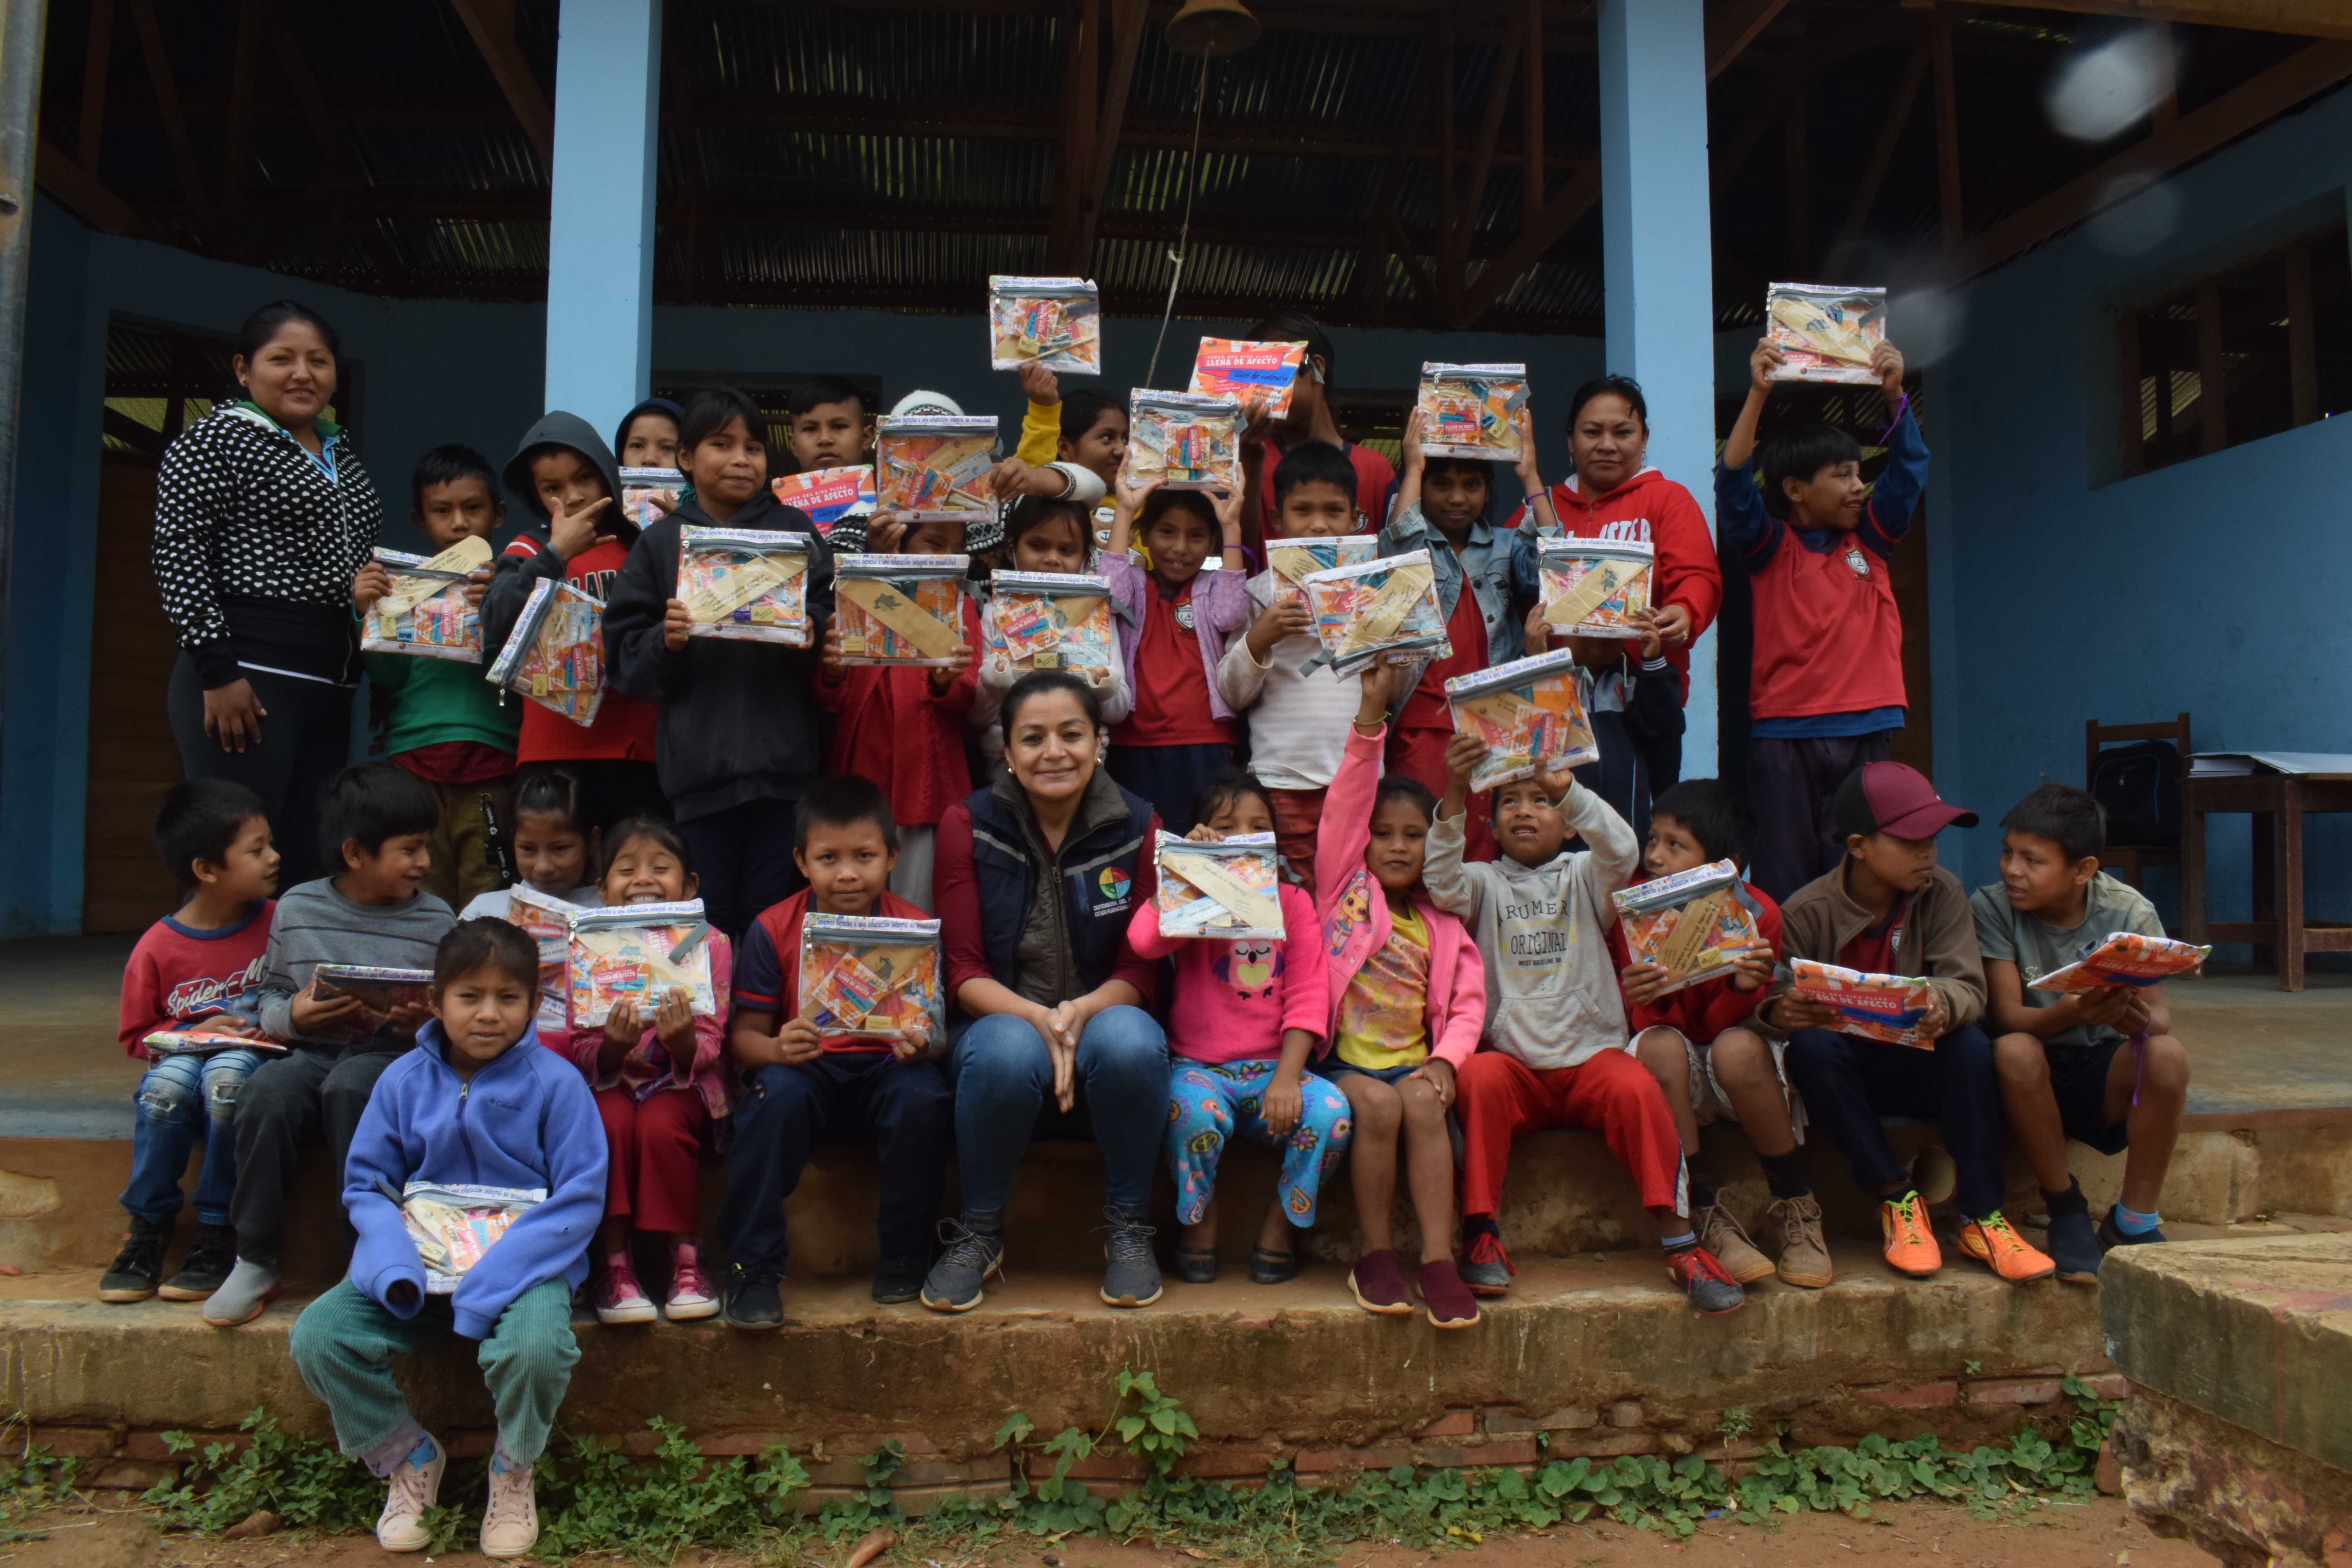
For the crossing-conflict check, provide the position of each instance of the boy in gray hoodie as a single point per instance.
(1555, 1054)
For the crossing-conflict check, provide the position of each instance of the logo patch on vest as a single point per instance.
(1856, 559)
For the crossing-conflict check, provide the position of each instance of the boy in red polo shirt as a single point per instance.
(801, 1089)
(1826, 687)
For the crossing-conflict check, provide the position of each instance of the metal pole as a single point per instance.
(21, 30)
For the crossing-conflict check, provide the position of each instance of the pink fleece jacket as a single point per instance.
(1233, 999)
(1354, 910)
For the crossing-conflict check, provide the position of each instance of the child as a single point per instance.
(1043, 535)
(661, 1093)
(2098, 1066)
(376, 822)
(1298, 723)
(1827, 683)
(477, 1106)
(1070, 450)
(1173, 623)
(1890, 909)
(647, 436)
(198, 969)
(1407, 997)
(803, 1088)
(1269, 443)
(448, 725)
(1558, 1055)
(1465, 552)
(554, 846)
(565, 478)
(902, 727)
(740, 734)
(831, 429)
(1244, 1018)
(1696, 1044)
(1092, 434)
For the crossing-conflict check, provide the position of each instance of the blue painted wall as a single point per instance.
(2064, 592)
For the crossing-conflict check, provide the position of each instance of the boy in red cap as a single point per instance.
(1888, 909)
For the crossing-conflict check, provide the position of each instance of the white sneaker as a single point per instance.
(510, 1522)
(412, 1493)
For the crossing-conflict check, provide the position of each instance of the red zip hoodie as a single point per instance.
(1649, 509)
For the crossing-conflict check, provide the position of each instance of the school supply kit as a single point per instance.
(426, 613)
(1594, 587)
(1888, 1007)
(748, 584)
(377, 990)
(1050, 620)
(454, 1225)
(933, 466)
(1053, 322)
(1472, 410)
(2125, 958)
(1828, 333)
(899, 609)
(555, 655)
(1247, 372)
(1694, 924)
(637, 952)
(547, 921)
(1296, 560)
(827, 495)
(1185, 442)
(1226, 889)
(195, 1042)
(649, 495)
(870, 975)
(1385, 605)
(1529, 713)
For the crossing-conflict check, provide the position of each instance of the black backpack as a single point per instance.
(2139, 786)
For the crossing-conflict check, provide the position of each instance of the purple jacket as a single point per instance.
(1220, 609)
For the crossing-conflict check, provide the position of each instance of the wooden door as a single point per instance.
(132, 758)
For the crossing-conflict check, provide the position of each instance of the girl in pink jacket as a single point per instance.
(1408, 999)
(661, 1091)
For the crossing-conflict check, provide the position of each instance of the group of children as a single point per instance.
(1451, 966)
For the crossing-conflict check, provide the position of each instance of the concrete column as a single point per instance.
(599, 241)
(1657, 263)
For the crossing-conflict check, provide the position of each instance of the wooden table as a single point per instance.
(2278, 804)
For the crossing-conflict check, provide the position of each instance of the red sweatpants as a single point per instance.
(656, 1148)
(1420, 756)
(1297, 813)
(1501, 1097)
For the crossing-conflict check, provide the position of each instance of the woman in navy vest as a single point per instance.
(1035, 879)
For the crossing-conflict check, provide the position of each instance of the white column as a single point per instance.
(600, 240)
(1657, 264)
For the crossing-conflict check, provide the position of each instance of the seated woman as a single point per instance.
(1035, 879)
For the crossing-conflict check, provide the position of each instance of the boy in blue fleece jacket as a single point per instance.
(478, 1104)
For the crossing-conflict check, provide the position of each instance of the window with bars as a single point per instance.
(2259, 347)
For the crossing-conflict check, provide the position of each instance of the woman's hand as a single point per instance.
(373, 583)
(1530, 476)
(1060, 1026)
(232, 715)
(677, 625)
(571, 533)
(798, 1043)
(1277, 621)
(1672, 622)
(1438, 1073)
(674, 1026)
(1283, 1104)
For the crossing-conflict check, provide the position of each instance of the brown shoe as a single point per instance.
(1720, 1233)
(1804, 1256)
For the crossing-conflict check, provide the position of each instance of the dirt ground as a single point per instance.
(2100, 1535)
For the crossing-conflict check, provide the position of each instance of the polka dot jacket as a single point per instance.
(256, 547)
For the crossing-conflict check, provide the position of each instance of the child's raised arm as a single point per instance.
(1741, 444)
(1541, 516)
(1130, 506)
(1451, 885)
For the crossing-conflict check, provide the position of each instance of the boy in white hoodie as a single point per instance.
(1555, 1054)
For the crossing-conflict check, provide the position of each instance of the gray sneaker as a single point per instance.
(1130, 1271)
(975, 1249)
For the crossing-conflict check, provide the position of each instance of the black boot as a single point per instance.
(135, 1269)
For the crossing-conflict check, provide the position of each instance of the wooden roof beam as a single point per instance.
(167, 97)
(1128, 18)
(2303, 19)
(492, 27)
(1874, 173)
(78, 190)
(1733, 27)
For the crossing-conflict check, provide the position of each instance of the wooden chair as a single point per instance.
(2128, 861)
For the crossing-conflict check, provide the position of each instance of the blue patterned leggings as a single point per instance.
(1207, 1104)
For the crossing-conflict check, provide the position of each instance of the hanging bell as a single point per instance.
(1210, 29)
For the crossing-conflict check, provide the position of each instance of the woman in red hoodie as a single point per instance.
(1614, 494)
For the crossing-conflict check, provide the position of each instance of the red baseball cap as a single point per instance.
(1888, 797)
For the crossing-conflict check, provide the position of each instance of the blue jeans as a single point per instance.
(179, 1096)
(1004, 1079)
(1850, 1083)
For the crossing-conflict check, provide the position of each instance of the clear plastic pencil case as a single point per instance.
(1529, 713)
(871, 976)
(748, 583)
(426, 613)
(1053, 322)
(555, 655)
(899, 609)
(1472, 410)
(1185, 442)
(1228, 888)
(934, 466)
(1594, 587)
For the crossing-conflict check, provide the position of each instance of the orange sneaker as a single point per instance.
(1992, 1243)
(1910, 1242)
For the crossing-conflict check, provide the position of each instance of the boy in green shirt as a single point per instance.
(447, 724)
(2099, 1067)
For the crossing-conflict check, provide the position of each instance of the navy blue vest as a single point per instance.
(1097, 877)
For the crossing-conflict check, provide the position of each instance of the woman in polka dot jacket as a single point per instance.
(263, 516)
